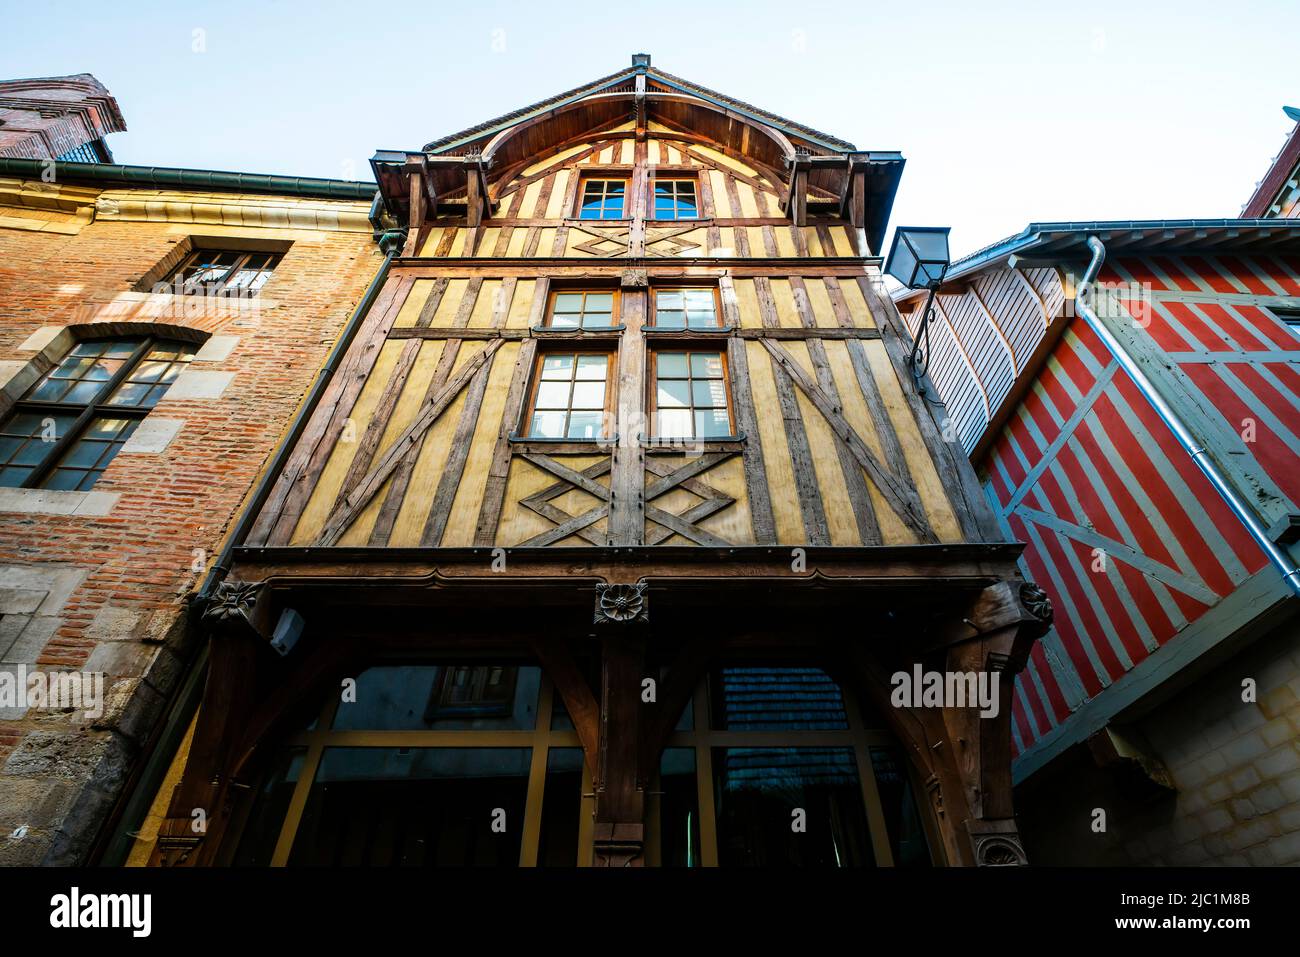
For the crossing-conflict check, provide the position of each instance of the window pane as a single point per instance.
(703, 319)
(547, 425)
(414, 807)
(902, 819)
(673, 423)
(589, 395)
(706, 365)
(756, 698)
(568, 302)
(561, 809)
(598, 320)
(563, 321)
(553, 395)
(711, 423)
(600, 302)
(459, 697)
(672, 393)
(671, 299)
(557, 367)
(671, 320)
(671, 365)
(90, 454)
(257, 843)
(699, 298)
(709, 392)
(585, 425)
(758, 790)
(679, 815)
(592, 366)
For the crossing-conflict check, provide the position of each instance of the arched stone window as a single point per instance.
(67, 427)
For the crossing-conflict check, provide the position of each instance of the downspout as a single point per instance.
(118, 847)
(1284, 563)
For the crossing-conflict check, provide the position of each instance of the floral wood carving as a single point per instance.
(232, 606)
(622, 603)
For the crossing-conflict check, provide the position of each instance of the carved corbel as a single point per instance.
(237, 608)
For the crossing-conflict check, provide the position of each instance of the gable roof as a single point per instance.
(656, 78)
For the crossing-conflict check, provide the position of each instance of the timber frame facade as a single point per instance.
(428, 511)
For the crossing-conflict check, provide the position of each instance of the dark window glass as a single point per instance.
(674, 199)
(225, 270)
(68, 427)
(561, 808)
(415, 807)
(679, 809)
(902, 819)
(468, 697)
(776, 699)
(762, 795)
(262, 830)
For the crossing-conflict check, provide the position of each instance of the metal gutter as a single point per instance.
(174, 178)
(1199, 454)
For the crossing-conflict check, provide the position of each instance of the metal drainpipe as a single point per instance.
(115, 850)
(1199, 454)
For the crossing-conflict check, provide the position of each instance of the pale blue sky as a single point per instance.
(1006, 112)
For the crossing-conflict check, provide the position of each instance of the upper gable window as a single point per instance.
(77, 417)
(675, 199)
(225, 270)
(603, 199)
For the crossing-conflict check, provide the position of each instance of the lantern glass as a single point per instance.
(919, 257)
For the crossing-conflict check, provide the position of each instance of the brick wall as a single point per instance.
(104, 590)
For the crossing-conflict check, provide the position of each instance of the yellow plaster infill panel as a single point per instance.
(559, 190)
(518, 240)
(487, 243)
(323, 496)
(721, 202)
(820, 300)
(925, 477)
(409, 527)
(521, 306)
(747, 302)
(653, 153)
(776, 453)
(485, 305)
(469, 495)
(734, 522)
(843, 245)
(450, 303)
(786, 313)
(528, 205)
(410, 310)
(857, 304)
(431, 242)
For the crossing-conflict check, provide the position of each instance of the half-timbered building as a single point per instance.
(617, 523)
(1145, 448)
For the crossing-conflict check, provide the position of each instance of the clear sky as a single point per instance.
(1006, 112)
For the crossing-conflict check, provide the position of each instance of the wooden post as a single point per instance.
(619, 835)
(627, 476)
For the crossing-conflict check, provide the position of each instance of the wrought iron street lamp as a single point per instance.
(919, 259)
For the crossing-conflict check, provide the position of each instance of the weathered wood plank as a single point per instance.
(756, 488)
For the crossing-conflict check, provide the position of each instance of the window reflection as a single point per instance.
(762, 794)
(776, 699)
(413, 807)
(479, 697)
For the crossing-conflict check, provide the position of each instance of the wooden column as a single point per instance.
(619, 835)
(627, 474)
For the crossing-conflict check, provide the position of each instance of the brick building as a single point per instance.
(58, 117)
(158, 330)
(1146, 454)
